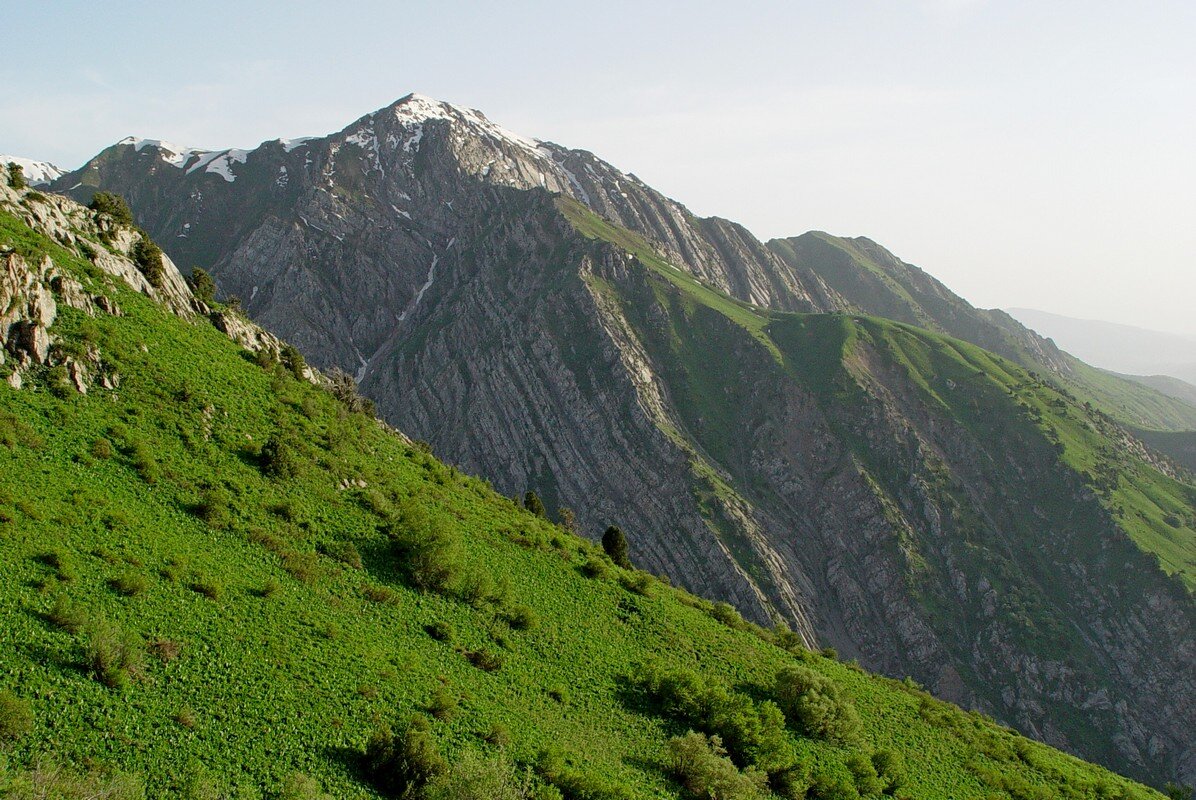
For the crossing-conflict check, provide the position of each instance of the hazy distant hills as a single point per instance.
(1121, 348)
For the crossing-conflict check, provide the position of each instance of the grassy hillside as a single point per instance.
(210, 587)
(879, 284)
(817, 351)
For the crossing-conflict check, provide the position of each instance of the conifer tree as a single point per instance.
(615, 545)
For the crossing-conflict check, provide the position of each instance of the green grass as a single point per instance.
(260, 650)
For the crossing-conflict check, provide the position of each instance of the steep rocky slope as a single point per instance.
(904, 497)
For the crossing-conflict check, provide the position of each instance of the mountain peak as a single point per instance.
(415, 109)
(36, 173)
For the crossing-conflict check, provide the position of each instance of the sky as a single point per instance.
(1033, 154)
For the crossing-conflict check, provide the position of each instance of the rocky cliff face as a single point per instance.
(551, 323)
(32, 290)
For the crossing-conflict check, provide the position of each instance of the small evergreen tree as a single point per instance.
(16, 176)
(148, 257)
(113, 205)
(203, 285)
(567, 519)
(293, 360)
(615, 545)
(532, 503)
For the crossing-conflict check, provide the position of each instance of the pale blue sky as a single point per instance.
(1027, 153)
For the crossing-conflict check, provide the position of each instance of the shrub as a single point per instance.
(280, 458)
(727, 615)
(344, 552)
(443, 703)
(522, 618)
(499, 735)
(202, 285)
(401, 764)
(815, 703)
(16, 176)
(102, 448)
(114, 656)
(208, 587)
(475, 777)
(832, 782)
(574, 784)
(130, 583)
(754, 734)
(430, 552)
(890, 767)
(440, 631)
(303, 567)
(382, 595)
(16, 717)
(700, 764)
(484, 660)
(214, 507)
(15, 432)
(615, 545)
(596, 568)
(145, 463)
(51, 781)
(298, 786)
(638, 582)
(148, 258)
(477, 588)
(867, 782)
(113, 205)
(532, 502)
(67, 615)
(61, 563)
(166, 650)
(792, 780)
(344, 389)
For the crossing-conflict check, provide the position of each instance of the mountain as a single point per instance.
(223, 579)
(37, 173)
(1165, 384)
(979, 520)
(874, 281)
(1118, 348)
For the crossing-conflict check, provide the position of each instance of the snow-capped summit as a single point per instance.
(191, 159)
(415, 109)
(37, 173)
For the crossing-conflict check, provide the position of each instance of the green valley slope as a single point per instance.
(876, 282)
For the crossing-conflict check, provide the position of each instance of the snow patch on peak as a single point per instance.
(290, 144)
(36, 173)
(173, 154)
(222, 164)
(415, 109)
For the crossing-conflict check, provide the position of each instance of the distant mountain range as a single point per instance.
(1121, 348)
(37, 173)
(809, 428)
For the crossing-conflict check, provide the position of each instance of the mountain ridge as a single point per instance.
(597, 353)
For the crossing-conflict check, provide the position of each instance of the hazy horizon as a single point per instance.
(1026, 156)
